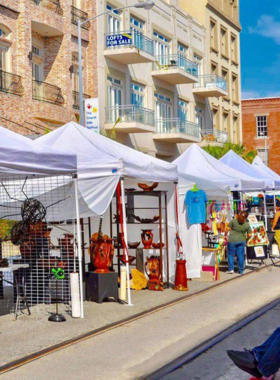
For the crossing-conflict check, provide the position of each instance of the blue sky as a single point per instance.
(260, 48)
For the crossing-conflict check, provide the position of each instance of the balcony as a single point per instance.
(77, 14)
(50, 4)
(129, 47)
(176, 131)
(175, 69)
(213, 137)
(210, 86)
(46, 92)
(10, 83)
(76, 100)
(131, 119)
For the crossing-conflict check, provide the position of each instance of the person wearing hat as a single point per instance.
(276, 224)
(239, 231)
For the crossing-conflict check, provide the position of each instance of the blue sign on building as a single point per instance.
(123, 39)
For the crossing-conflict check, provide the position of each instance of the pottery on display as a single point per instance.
(133, 245)
(145, 187)
(158, 245)
(147, 238)
(153, 272)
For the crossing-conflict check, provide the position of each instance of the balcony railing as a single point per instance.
(210, 81)
(10, 83)
(129, 114)
(46, 92)
(77, 14)
(130, 38)
(214, 136)
(177, 125)
(76, 100)
(175, 61)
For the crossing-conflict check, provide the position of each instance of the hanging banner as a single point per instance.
(122, 39)
(92, 114)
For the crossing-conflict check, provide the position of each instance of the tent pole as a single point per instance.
(177, 211)
(79, 244)
(125, 240)
(265, 211)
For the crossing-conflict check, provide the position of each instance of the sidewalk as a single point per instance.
(146, 344)
(31, 334)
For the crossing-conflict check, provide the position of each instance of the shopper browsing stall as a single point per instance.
(239, 231)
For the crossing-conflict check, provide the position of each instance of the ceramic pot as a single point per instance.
(147, 238)
(181, 282)
(101, 253)
(153, 273)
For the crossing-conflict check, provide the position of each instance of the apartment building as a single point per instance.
(38, 62)
(156, 87)
(221, 21)
(261, 132)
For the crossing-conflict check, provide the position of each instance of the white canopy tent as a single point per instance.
(258, 164)
(195, 161)
(21, 162)
(236, 162)
(90, 148)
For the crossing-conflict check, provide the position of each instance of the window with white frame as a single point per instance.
(114, 20)
(183, 107)
(37, 63)
(263, 154)
(137, 94)
(261, 126)
(163, 111)
(137, 26)
(162, 44)
(198, 60)
(182, 50)
(4, 49)
(114, 99)
(75, 72)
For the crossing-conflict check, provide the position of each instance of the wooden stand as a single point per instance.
(161, 209)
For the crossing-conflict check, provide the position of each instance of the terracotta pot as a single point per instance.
(147, 238)
(101, 253)
(153, 273)
(181, 282)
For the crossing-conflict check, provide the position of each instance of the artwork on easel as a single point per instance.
(259, 235)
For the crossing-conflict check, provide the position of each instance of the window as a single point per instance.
(182, 50)
(75, 72)
(199, 117)
(263, 154)
(261, 126)
(213, 34)
(37, 63)
(224, 42)
(114, 98)
(235, 95)
(3, 33)
(225, 76)
(214, 68)
(163, 112)
(233, 44)
(113, 20)
(137, 94)
(235, 129)
(4, 50)
(162, 44)
(198, 60)
(183, 110)
(137, 26)
(215, 117)
(225, 121)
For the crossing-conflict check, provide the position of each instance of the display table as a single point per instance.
(101, 286)
(211, 262)
(14, 267)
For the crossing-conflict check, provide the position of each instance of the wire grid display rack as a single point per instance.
(37, 236)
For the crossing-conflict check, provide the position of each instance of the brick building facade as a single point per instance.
(261, 120)
(38, 62)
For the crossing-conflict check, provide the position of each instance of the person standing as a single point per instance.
(239, 231)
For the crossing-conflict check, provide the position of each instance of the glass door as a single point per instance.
(114, 99)
(199, 117)
(137, 29)
(113, 20)
(163, 113)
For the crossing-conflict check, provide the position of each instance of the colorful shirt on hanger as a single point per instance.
(196, 208)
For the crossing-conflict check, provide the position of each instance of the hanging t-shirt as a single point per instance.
(196, 208)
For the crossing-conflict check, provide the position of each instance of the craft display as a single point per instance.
(101, 251)
(145, 187)
(66, 245)
(138, 281)
(123, 260)
(58, 274)
(32, 210)
(153, 272)
(133, 245)
(181, 283)
(259, 235)
(146, 220)
(147, 238)
(158, 245)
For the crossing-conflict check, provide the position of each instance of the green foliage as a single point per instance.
(219, 151)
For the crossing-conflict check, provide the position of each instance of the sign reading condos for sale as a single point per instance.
(123, 39)
(92, 114)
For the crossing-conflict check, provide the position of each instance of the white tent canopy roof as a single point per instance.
(18, 156)
(234, 161)
(91, 147)
(257, 163)
(195, 161)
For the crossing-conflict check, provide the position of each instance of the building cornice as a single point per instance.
(236, 25)
(260, 100)
(9, 8)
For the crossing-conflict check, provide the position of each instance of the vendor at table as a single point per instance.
(239, 232)
(276, 223)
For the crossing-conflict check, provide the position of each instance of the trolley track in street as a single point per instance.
(171, 366)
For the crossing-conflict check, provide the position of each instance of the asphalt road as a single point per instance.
(214, 364)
